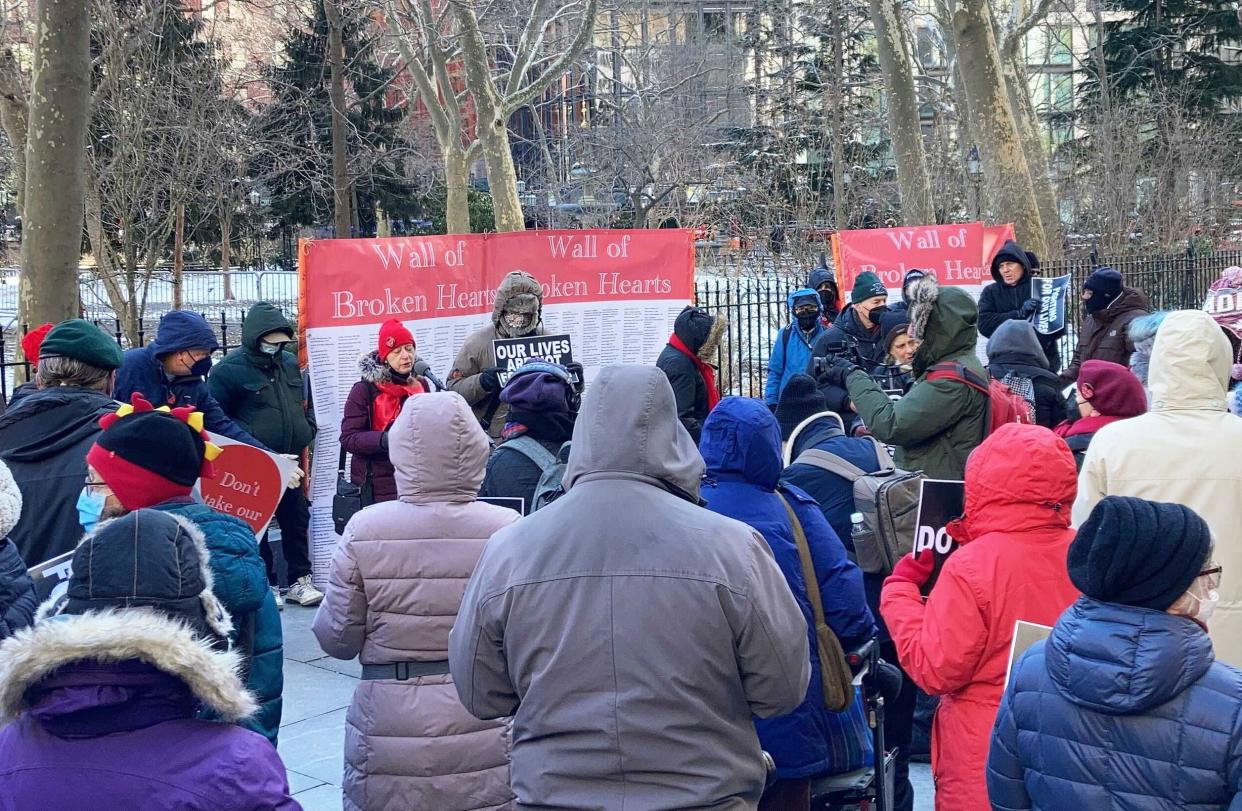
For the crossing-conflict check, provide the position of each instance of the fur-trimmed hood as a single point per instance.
(943, 320)
(374, 370)
(35, 653)
(10, 501)
(520, 289)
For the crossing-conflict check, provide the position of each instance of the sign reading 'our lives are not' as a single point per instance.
(513, 353)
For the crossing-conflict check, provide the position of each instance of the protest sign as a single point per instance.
(615, 293)
(1025, 634)
(940, 502)
(512, 353)
(1052, 295)
(1224, 301)
(248, 482)
(51, 577)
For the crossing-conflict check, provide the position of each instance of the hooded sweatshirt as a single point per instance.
(412, 744)
(142, 371)
(700, 332)
(263, 393)
(1011, 566)
(828, 312)
(613, 704)
(791, 352)
(477, 354)
(1120, 703)
(1184, 450)
(44, 441)
(1016, 358)
(1000, 302)
(1105, 335)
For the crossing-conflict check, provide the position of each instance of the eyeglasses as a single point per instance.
(1212, 573)
(94, 484)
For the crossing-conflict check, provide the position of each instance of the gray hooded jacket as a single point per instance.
(632, 651)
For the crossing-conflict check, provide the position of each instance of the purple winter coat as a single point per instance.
(98, 724)
(357, 436)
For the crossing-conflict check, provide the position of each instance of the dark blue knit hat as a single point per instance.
(1137, 552)
(799, 399)
(1105, 285)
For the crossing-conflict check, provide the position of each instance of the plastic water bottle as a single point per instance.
(858, 529)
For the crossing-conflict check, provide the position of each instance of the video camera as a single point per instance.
(891, 379)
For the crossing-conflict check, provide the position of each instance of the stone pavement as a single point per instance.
(318, 689)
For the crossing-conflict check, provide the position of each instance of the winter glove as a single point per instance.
(384, 439)
(489, 379)
(836, 374)
(1030, 307)
(911, 569)
(295, 478)
(577, 373)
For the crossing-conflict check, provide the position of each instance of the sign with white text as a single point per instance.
(1052, 294)
(940, 502)
(248, 482)
(51, 577)
(513, 353)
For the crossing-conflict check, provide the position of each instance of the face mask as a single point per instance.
(829, 300)
(90, 507)
(518, 322)
(201, 368)
(271, 349)
(807, 320)
(876, 312)
(1207, 606)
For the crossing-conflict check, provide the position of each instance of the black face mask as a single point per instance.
(829, 299)
(807, 321)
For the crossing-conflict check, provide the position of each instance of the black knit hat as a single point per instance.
(799, 399)
(1105, 285)
(147, 559)
(149, 456)
(82, 340)
(1137, 552)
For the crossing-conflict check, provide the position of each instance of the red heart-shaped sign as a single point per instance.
(247, 485)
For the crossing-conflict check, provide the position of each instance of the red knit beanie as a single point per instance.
(33, 340)
(392, 335)
(1112, 389)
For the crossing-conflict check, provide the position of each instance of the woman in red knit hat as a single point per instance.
(373, 404)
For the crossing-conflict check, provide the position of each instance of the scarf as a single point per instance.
(1084, 425)
(705, 371)
(388, 402)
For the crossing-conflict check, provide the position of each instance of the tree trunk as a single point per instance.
(913, 181)
(14, 115)
(1000, 149)
(105, 268)
(178, 255)
(226, 245)
(836, 98)
(336, 92)
(1026, 119)
(55, 161)
(493, 131)
(457, 191)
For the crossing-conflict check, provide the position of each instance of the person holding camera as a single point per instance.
(938, 422)
(858, 324)
(373, 404)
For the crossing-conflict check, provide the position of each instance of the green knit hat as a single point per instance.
(867, 285)
(82, 340)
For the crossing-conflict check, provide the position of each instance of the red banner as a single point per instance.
(366, 281)
(957, 254)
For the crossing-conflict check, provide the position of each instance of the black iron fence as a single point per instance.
(753, 299)
(756, 306)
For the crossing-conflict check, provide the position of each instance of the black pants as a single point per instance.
(898, 727)
(293, 518)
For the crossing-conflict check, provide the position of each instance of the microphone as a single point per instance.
(423, 369)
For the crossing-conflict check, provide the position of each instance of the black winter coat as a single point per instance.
(44, 440)
(263, 393)
(513, 474)
(1001, 302)
(697, 330)
(18, 601)
(848, 328)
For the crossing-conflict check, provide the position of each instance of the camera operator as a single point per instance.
(860, 322)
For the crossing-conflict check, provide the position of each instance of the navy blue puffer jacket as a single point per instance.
(1122, 709)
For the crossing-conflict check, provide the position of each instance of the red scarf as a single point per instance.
(705, 371)
(389, 401)
(1084, 425)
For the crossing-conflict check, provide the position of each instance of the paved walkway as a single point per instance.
(318, 689)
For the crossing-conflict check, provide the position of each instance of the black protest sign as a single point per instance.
(512, 353)
(51, 577)
(1052, 294)
(940, 502)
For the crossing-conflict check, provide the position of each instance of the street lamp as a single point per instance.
(255, 199)
(972, 169)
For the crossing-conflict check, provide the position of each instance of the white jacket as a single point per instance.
(1187, 450)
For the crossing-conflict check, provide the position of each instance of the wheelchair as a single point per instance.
(869, 788)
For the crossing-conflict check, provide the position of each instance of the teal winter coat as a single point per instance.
(241, 585)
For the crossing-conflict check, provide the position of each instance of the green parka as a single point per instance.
(937, 423)
(263, 393)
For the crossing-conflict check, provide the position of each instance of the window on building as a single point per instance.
(715, 25)
(1061, 93)
(1060, 45)
(929, 52)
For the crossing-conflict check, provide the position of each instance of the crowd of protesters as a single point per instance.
(662, 623)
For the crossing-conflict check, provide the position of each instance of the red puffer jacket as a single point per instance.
(1020, 485)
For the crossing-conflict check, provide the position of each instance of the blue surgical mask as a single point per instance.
(90, 507)
(270, 349)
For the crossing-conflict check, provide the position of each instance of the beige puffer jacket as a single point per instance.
(394, 589)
